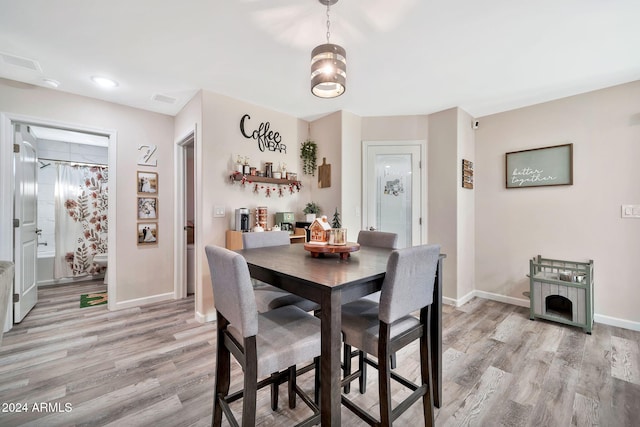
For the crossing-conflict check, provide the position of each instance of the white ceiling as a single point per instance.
(404, 56)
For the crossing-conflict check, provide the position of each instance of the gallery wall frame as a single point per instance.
(539, 167)
(147, 183)
(147, 233)
(147, 208)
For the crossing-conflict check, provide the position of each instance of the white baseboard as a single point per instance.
(205, 318)
(459, 302)
(521, 302)
(614, 321)
(143, 301)
(598, 318)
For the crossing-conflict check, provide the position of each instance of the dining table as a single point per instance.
(332, 281)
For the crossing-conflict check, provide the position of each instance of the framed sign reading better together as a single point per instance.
(540, 167)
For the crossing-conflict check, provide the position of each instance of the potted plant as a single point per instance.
(309, 156)
(311, 210)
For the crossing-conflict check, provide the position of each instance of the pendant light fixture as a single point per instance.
(328, 65)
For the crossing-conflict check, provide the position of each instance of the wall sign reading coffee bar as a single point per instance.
(267, 139)
(540, 167)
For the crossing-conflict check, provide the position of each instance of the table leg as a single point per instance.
(436, 337)
(330, 371)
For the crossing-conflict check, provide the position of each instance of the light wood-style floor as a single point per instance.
(154, 366)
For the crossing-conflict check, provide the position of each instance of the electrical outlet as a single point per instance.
(630, 211)
(218, 212)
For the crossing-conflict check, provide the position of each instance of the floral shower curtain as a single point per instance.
(81, 219)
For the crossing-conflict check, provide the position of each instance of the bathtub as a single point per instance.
(191, 269)
(44, 271)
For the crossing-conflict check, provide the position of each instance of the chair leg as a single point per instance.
(292, 387)
(250, 382)
(346, 365)
(425, 371)
(316, 393)
(275, 386)
(384, 375)
(393, 361)
(362, 366)
(223, 371)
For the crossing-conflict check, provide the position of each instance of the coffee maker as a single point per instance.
(242, 219)
(285, 220)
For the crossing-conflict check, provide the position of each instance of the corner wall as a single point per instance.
(443, 196)
(577, 222)
(220, 143)
(327, 133)
(351, 204)
(141, 272)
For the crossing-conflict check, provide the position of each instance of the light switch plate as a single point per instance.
(218, 212)
(630, 211)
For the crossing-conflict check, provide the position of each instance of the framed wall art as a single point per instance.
(147, 183)
(467, 174)
(147, 208)
(147, 233)
(540, 167)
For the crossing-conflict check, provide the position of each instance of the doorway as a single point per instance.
(393, 180)
(9, 124)
(187, 264)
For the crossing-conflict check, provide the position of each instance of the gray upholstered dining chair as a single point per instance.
(269, 297)
(376, 239)
(384, 328)
(262, 343)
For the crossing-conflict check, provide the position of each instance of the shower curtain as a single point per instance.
(81, 219)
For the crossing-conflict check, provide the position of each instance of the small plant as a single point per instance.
(309, 156)
(335, 222)
(311, 208)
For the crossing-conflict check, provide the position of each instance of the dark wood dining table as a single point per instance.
(331, 282)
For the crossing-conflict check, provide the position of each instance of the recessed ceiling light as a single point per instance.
(51, 83)
(104, 81)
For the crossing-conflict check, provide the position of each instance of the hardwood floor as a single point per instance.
(154, 366)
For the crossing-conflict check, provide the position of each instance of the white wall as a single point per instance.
(466, 210)
(142, 272)
(351, 203)
(327, 133)
(443, 195)
(577, 222)
(220, 143)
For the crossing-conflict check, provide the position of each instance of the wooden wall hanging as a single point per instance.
(467, 174)
(324, 174)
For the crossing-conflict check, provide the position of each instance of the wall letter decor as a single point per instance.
(148, 152)
(266, 138)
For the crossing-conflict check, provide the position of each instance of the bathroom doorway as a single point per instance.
(72, 196)
(186, 227)
(37, 131)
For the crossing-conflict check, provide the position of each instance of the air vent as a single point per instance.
(164, 98)
(18, 61)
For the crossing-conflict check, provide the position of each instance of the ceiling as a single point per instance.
(403, 56)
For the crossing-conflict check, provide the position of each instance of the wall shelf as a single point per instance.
(260, 183)
(237, 176)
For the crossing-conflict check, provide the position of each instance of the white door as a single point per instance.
(25, 226)
(392, 190)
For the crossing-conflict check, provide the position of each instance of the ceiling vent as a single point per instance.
(18, 61)
(164, 98)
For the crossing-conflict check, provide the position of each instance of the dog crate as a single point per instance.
(562, 291)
